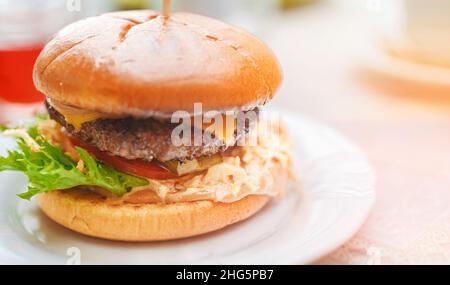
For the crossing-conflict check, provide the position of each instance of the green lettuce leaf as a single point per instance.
(51, 169)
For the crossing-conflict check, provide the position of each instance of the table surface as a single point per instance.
(403, 128)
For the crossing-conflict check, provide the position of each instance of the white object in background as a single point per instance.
(336, 197)
(428, 24)
(29, 22)
(412, 71)
(425, 35)
(247, 14)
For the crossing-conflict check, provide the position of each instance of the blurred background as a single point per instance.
(378, 70)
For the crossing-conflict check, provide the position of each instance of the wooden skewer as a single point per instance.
(166, 8)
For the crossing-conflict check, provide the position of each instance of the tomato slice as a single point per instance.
(136, 167)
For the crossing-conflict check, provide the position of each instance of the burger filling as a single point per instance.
(134, 161)
(147, 139)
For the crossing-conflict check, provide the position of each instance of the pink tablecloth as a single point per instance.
(404, 128)
(410, 222)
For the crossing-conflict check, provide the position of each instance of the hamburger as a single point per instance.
(104, 161)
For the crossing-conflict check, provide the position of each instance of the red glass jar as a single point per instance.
(25, 27)
(16, 71)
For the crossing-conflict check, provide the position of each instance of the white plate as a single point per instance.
(336, 197)
(379, 61)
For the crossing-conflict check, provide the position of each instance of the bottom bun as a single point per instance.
(89, 213)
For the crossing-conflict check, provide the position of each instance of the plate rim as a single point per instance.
(364, 211)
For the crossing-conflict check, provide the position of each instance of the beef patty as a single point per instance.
(145, 139)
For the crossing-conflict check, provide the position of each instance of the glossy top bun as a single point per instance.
(139, 62)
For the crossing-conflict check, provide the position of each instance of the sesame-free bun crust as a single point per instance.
(88, 213)
(139, 62)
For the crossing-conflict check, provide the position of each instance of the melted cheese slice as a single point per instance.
(77, 117)
(77, 120)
